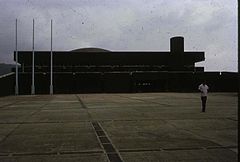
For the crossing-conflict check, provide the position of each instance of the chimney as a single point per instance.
(177, 45)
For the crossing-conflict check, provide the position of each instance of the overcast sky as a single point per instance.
(124, 25)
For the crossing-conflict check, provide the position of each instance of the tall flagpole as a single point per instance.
(51, 66)
(16, 58)
(33, 84)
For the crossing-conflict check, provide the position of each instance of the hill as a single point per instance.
(6, 68)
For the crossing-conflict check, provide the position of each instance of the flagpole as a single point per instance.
(16, 68)
(51, 66)
(33, 84)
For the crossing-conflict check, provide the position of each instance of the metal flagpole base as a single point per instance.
(51, 89)
(33, 90)
(16, 90)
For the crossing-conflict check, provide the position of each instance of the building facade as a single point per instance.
(94, 70)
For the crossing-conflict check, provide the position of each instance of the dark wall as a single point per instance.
(97, 82)
(7, 84)
(127, 82)
(228, 82)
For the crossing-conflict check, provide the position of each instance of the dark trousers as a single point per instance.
(204, 100)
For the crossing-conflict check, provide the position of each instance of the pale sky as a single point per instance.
(124, 25)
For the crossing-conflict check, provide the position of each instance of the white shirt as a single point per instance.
(203, 89)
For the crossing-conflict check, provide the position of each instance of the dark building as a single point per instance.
(100, 60)
(94, 70)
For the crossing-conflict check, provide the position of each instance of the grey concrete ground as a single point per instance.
(138, 127)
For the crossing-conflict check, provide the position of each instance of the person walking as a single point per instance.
(203, 88)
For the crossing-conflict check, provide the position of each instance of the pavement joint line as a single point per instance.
(142, 100)
(107, 120)
(50, 153)
(175, 149)
(39, 109)
(81, 152)
(146, 101)
(140, 150)
(84, 107)
(4, 154)
(186, 148)
(197, 135)
(11, 132)
(3, 106)
(81, 102)
(232, 119)
(216, 147)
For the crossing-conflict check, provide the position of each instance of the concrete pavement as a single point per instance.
(118, 127)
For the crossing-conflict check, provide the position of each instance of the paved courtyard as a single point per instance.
(141, 127)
